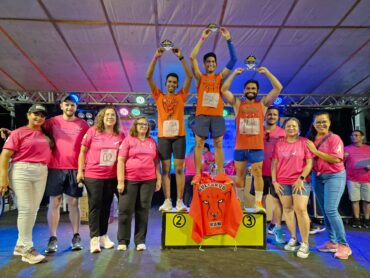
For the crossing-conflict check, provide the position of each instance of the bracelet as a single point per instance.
(181, 58)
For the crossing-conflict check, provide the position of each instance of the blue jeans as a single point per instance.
(329, 189)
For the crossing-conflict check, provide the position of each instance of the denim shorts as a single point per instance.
(252, 156)
(288, 190)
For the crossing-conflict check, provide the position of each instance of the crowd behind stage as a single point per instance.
(62, 154)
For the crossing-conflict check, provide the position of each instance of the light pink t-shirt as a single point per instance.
(356, 161)
(291, 160)
(275, 135)
(190, 165)
(140, 158)
(28, 145)
(333, 146)
(101, 157)
(67, 136)
(208, 158)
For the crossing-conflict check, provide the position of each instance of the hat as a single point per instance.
(37, 108)
(69, 98)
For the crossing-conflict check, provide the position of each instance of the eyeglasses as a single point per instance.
(321, 123)
(267, 137)
(142, 124)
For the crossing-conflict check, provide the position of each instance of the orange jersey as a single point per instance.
(214, 209)
(170, 113)
(249, 126)
(210, 101)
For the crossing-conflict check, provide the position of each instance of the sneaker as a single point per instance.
(195, 180)
(122, 247)
(180, 205)
(356, 223)
(314, 229)
(278, 233)
(18, 250)
(140, 247)
(367, 223)
(52, 245)
(270, 228)
(105, 242)
(259, 207)
(343, 252)
(292, 245)
(76, 242)
(328, 247)
(167, 205)
(31, 256)
(95, 245)
(303, 251)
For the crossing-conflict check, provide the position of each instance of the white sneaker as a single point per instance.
(140, 247)
(122, 247)
(180, 205)
(105, 242)
(18, 250)
(292, 245)
(31, 256)
(167, 205)
(303, 251)
(95, 245)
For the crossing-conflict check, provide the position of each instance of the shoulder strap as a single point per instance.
(324, 139)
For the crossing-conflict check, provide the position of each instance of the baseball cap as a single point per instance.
(69, 98)
(37, 108)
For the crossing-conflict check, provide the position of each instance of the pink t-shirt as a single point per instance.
(67, 136)
(208, 159)
(291, 160)
(333, 146)
(28, 145)
(274, 136)
(356, 161)
(190, 165)
(140, 158)
(101, 157)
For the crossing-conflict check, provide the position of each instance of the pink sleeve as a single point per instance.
(123, 149)
(86, 140)
(274, 151)
(336, 146)
(12, 143)
(307, 152)
(48, 124)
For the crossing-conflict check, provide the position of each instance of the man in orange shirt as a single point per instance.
(171, 128)
(209, 109)
(249, 143)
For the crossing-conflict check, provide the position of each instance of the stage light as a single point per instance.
(278, 101)
(140, 100)
(123, 111)
(89, 115)
(75, 97)
(90, 122)
(226, 113)
(81, 115)
(135, 112)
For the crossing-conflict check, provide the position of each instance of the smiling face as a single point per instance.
(171, 84)
(292, 128)
(142, 126)
(36, 119)
(272, 116)
(69, 108)
(110, 118)
(251, 91)
(322, 124)
(210, 64)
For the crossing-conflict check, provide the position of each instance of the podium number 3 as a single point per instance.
(249, 221)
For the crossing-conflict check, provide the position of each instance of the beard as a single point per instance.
(250, 97)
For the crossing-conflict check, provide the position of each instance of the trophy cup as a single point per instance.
(167, 45)
(251, 62)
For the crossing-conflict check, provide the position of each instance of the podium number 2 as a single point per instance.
(179, 220)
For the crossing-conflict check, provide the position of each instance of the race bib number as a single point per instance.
(249, 126)
(171, 128)
(108, 157)
(210, 99)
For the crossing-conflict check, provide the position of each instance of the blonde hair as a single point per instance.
(100, 120)
(133, 130)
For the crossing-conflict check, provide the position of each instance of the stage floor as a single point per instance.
(154, 262)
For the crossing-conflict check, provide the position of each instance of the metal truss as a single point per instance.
(8, 98)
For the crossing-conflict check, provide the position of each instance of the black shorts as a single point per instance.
(167, 146)
(62, 181)
(209, 124)
(268, 187)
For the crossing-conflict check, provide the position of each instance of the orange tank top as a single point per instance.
(210, 102)
(249, 126)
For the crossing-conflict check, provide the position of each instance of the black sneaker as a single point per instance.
(356, 223)
(52, 245)
(76, 242)
(367, 223)
(314, 229)
(270, 228)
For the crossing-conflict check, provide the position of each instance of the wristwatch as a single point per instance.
(302, 178)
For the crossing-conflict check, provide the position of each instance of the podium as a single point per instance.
(177, 230)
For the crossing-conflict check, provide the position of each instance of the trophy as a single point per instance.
(213, 27)
(167, 45)
(251, 62)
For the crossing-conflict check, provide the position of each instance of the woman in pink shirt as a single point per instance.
(291, 164)
(138, 176)
(97, 168)
(329, 181)
(30, 150)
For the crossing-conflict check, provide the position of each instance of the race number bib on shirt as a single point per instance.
(108, 157)
(210, 99)
(171, 128)
(249, 126)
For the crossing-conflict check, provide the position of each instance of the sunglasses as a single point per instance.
(267, 137)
